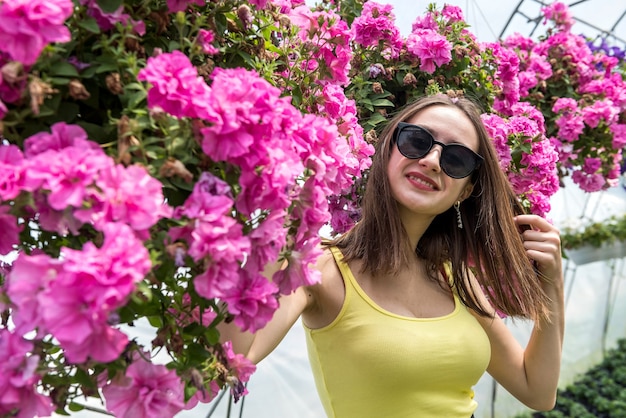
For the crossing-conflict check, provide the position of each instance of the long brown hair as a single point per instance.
(489, 242)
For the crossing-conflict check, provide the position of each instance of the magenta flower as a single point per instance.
(176, 87)
(498, 130)
(107, 21)
(147, 390)
(61, 136)
(253, 301)
(205, 40)
(560, 14)
(328, 38)
(9, 231)
(425, 21)
(600, 110)
(433, 49)
(376, 25)
(18, 379)
(589, 182)
(66, 174)
(126, 194)
(300, 270)
(30, 275)
(619, 135)
(240, 368)
(180, 5)
(27, 26)
(11, 172)
(452, 13)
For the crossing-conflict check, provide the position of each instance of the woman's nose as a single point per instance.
(432, 159)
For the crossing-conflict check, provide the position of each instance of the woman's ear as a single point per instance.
(467, 191)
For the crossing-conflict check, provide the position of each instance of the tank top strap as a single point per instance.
(344, 269)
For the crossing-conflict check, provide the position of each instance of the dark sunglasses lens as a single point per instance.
(414, 142)
(457, 161)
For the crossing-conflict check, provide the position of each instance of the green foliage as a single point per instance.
(595, 234)
(600, 392)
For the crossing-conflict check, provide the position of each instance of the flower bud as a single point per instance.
(77, 90)
(409, 80)
(39, 91)
(12, 72)
(245, 15)
(377, 88)
(114, 83)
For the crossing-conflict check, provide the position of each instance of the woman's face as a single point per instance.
(419, 185)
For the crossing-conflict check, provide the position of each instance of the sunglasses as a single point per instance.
(457, 161)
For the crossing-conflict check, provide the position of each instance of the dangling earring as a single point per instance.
(459, 221)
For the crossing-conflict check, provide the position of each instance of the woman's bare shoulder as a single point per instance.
(328, 294)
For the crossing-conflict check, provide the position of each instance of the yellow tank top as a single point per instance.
(371, 363)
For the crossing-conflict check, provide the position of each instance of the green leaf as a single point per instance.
(107, 68)
(109, 6)
(75, 407)
(383, 103)
(155, 321)
(59, 81)
(212, 335)
(89, 24)
(63, 69)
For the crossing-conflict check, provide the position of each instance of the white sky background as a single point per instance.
(488, 18)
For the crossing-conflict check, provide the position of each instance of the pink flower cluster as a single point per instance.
(251, 126)
(328, 38)
(427, 40)
(18, 379)
(376, 25)
(560, 14)
(176, 87)
(107, 21)
(146, 390)
(283, 159)
(535, 176)
(580, 124)
(27, 26)
(74, 182)
(432, 49)
(241, 370)
(74, 298)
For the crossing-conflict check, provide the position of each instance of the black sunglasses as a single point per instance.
(457, 160)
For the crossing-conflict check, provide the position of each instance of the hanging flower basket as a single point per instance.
(589, 254)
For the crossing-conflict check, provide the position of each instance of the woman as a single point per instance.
(404, 321)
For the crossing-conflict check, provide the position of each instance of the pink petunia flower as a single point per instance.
(433, 49)
(560, 14)
(176, 86)
(205, 40)
(30, 275)
(180, 5)
(147, 390)
(9, 230)
(241, 369)
(376, 25)
(61, 136)
(107, 21)
(18, 379)
(27, 26)
(126, 194)
(11, 172)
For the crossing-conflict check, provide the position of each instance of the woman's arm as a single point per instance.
(259, 345)
(532, 374)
